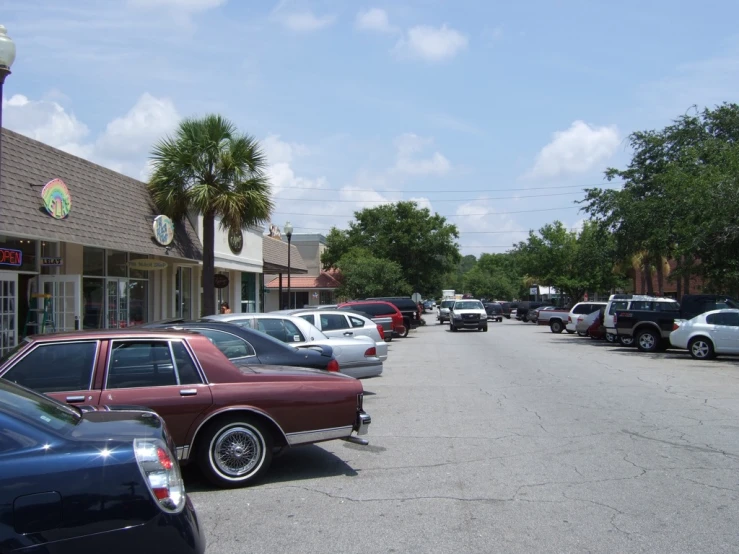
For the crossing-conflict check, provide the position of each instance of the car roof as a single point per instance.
(103, 334)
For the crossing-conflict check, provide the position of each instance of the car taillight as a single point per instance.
(675, 327)
(333, 365)
(569, 319)
(161, 473)
(615, 319)
(370, 352)
(579, 319)
(381, 331)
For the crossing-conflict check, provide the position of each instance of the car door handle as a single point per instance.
(188, 392)
(348, 334)
(76, 398)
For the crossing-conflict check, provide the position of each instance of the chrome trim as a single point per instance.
(363, 423)
(183, 452)
(174, 364)
(240, 409)
(356, 440)
(196, 361)
(318, 435)
(188, 392)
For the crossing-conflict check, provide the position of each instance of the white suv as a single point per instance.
(581, 308)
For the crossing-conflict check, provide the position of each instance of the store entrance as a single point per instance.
(8, 311)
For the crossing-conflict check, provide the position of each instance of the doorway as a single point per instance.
(8, 311)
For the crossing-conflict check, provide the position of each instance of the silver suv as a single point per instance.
(444, 310)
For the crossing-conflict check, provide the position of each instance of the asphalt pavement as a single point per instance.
(514, 440)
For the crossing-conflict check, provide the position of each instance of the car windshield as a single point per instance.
(36, 409)
(447, 303)
(468, 306)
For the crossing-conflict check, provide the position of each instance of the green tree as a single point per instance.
(422, 244)
(574, 263)
(210, 169)
(678, 199)
(363, 275)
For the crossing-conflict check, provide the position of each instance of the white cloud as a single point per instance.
(123, 146)
(431, 44)
(46, 121)
(191, 6)
(409, 146)
(305, 21)
(148, 121)
(280, 156)
(579, 149)
(374, 19)
(481, 226)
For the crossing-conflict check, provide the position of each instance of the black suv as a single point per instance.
(407, 307)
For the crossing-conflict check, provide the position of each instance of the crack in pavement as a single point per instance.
(691, 447)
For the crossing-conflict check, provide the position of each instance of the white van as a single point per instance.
(617, 303)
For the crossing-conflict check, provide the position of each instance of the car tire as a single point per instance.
(570, 332)
(701, 348)
(221, 453)
(525, 319)
(405, 333)
(452, 328)
(648, 341)
(581, 334)
(556, 326)
(610, 337)
(626, 341)
(484, 328)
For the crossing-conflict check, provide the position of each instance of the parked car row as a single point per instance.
(706, 325)
(221, 393)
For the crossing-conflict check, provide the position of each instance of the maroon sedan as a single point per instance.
(227, 418)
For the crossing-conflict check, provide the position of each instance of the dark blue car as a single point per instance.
(103, 480)
(245, 346)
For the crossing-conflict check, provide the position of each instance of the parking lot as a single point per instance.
(515, 440)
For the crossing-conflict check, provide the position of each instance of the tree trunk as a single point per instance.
(660, 276)
(648, 276)
(686, 282)
(209, 291)
(679, 283)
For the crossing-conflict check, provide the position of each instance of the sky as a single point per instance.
(493, 114)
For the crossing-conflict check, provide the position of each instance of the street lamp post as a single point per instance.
(7, 57)
(289, 233)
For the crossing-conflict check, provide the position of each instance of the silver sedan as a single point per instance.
(343, 324)
(357, 357)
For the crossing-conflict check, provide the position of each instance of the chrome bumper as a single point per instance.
(363, 423)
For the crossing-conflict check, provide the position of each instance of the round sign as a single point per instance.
(220, 281)
(57, 200)
(163, 230)
(145, 264)
(235, 240)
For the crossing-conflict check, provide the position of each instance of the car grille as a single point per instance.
(471, 316)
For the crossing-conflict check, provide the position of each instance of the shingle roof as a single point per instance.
(323, 281)
(274, 254)
(109, 210)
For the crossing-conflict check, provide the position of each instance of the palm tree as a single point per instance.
(209, 168)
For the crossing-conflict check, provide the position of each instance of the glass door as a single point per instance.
(8, 311)
(65, 300)
(117, 293)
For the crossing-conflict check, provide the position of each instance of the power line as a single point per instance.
(596, 185)
(451, 215)
(435, 201)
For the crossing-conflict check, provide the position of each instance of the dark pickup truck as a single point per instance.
(407, 307)
(650, 322)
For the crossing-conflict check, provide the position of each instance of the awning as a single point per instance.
(274, 252)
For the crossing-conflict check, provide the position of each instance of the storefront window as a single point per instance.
(117, 263)
(28, 254)
(92, 293)
(93, 261)
(327, 297)
(115, 301)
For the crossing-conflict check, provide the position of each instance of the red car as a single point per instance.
(379, 308)
(224, 416)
